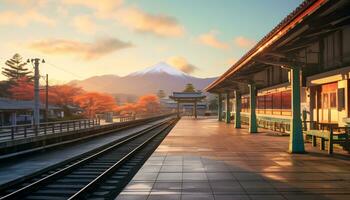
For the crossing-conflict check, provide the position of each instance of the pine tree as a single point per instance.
(16, 69)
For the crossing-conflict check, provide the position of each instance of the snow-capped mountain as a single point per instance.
(160, 68)
(161, 76)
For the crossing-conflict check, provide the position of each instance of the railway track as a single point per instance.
(99, 175)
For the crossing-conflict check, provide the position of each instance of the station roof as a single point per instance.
(10, 104)
(310, 19)
(187, 96)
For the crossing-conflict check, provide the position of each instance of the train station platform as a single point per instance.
(205, 159)
(25, 166)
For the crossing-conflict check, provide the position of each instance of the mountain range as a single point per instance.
(161, 76)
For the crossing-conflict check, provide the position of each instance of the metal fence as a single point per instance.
(8, 133)
(29, 130)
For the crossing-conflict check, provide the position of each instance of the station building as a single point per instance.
(297, 77)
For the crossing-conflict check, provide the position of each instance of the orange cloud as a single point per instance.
(209, 39)
(244, 42)
(102, 8)
(141, 21)
(84, 50)
(28, 3)
(182, 64)
(84, 24)
(23, 19)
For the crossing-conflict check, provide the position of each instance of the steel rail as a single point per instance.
(62, 172)
(89, 187)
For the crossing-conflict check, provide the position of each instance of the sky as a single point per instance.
(83, 38)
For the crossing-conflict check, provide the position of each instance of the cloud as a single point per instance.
(84, 24)
(102, 8)
(182, 64)
(141, 21)
(23, 19)
(86, 51)
(244, 42)
(28, 3)
(209, 39)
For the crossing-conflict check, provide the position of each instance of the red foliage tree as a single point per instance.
(145, 104)
(149, 103)
(94, 102)
(63, 95)
(23, 89)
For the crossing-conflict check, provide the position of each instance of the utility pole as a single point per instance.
(47, 99)
(36, 62)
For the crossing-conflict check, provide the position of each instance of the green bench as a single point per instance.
(325, 135)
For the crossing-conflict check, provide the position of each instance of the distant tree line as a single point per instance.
(19, 86)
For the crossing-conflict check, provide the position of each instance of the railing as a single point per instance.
(29, 130)
(8, 133)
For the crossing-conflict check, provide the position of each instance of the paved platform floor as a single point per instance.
(21, 167)
(204, 159)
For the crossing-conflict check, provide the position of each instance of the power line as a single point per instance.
(59, 68)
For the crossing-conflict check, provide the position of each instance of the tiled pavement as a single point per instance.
(203, 159)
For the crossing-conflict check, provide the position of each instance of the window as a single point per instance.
(261, 104)
(332, 50)
(332, 100)
(286, 100)
(276, 101)
(325, 100)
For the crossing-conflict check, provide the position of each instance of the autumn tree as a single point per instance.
(94, 102)
(189, 88)
(62, 95)
(149, 103)
(22, 89)
(16, 69)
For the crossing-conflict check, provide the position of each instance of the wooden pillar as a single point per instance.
(312, 105)
(195, 109)
(228, 114)
(220, 107)
(178, 109)
(253, 127)
(238, 109)
(296, 140)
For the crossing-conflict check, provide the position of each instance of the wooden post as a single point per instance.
(330, 141)
(238, 109)
(178, 109)
(195, 109)
(228, 113)
(220, 107)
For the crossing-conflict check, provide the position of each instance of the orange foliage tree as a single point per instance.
(149, 103)
(23, 89)
(145, 104)
(94, 102)
(63, 95)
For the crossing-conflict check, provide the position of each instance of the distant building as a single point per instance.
(13, 112)
(186, 108)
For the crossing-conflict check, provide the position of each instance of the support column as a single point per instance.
(13, 119)
(195, 109)
(228, 114)
(220, 107)
(253, 127)
(178, 109)
(296, 141)
(238, 109)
